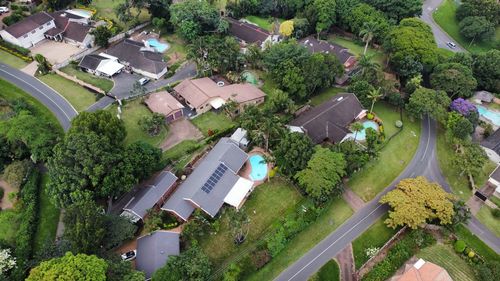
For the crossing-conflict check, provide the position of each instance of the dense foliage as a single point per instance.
(293, 152)
(427, 101)
(486, 70)
(192, 265)
(453, 78)
(397, 9)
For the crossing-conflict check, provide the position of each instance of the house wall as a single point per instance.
(29, 39)
(494, 182)
(242, 105)
(149, 74)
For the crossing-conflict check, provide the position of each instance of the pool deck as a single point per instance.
(247, 168)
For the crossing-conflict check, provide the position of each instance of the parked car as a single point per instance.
(4, 10)
(451, 45)
(129, 256)
(143, 81)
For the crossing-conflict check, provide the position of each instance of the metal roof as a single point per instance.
(154, 249)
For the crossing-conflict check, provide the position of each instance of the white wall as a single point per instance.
(30, 38)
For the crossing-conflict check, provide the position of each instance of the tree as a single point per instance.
(43, 66)
(293, 153)
(416, 201)
(84, 226)
(486, 70)
(301, 28)
(7, 261)
(122, 11)
(406, 66)
(454, 79)
(159, 9)
(356, 127)
(323, 174)
(264, 128)
(194, 18)
(239, 224)
(372, 141)
(103, 123)
(17, 172)
(159, 24)
(397, 9)
(361, 89)
(354, 154)
(192, 265)
(119, 270)
(152, 124)
(70, 267)
(232, 273)
(279, 101)
(458, 127)
(462, 213)
(117, 230)
(477, 28)
(356, 16)
(144, 159)
(368, 68)
(216, 53)
(374, 95)
(470, 160)
(427, 101)
(101, 35)
(137, 89)
(325, 10)
(490, 9)
(286, 28)
(367, 33)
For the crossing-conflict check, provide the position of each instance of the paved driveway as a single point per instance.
(55, 52)
(124, 83)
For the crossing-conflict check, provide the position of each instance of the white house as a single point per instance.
(494, 180)
(28, 31)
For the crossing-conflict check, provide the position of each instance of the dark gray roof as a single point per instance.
(496, 174)
(77, 31)
(493, 142)
(154, 249)
(91, 61)
(331, 119)
(319, 46)
(225, 156)
(28, 24)
(247, 32)
(147, 197)
(130, 51)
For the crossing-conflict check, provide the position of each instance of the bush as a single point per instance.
(471, 254)
(260, 258)
(459, 246)
(16, 172)
(496, 213)
(370, 116)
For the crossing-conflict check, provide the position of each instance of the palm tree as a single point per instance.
(366, 64)
(374, 95)
(356, 127)
(367, 33)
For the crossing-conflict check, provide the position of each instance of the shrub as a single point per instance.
(459, 246)
(16, 172)
(2, 191)
(370, 116)
(471, 254)
(260, 258)
(495, 212)
(18, 49)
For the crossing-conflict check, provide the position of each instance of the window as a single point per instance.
(41, 27)
(34, 31)
(48, 24)
(25, 36)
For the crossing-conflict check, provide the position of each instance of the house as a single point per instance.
(314, 45)
(423, 271)
(150, 196)
(213, 182)
(164, 103)
(154, 249)
(240, 137)
(330, 120)
(494, 180)
(58, 26)
(140, 58)
(491, 145)
(100, 65)
(204, 94)
(248, 33)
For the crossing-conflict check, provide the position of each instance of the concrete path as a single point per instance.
(353, 199)
(345, 260)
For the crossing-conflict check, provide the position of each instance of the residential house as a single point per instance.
(58, 26)
(140, 58)
(164, 103)
(213, 182)
(423, 271)
(491, 145)
(204, 94)
(149, 197)
(154, 249)
(240, 137)
(494, 180)
(330, 120)
(248, 33)
(101, 65)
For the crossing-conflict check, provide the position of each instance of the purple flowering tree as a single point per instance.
(464, 107)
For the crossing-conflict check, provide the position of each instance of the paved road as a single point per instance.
(58, 105)
(424, 163)
(439, 34)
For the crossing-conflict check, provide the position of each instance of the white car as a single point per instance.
(129, 256)
(143, 81)
(4, 10)
(451, 45)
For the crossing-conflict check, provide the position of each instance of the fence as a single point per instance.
(80, 82)
(127, 33)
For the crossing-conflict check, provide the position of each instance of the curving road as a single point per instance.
(58, 105)
(424, 163)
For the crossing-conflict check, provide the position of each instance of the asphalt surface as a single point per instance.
(440, 36)
(57, 104)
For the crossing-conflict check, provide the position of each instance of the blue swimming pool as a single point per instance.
(160, 47)
(367, 124)
(491, 115)
(259, 167)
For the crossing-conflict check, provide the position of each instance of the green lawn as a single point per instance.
(212, 121)
(106, 8)
(357, 49)
(337, 212)
(495, 200)
(445, 256)
(49, 217)
(183, 152)
(325, 95)
(393, 158)
(374, 237)
(476, 243)
(132, 112)
(445, 17)
(265, 23)
(458, 183)
(486, 217)
(101, 83)
(177, 51)
(77, 95)
(9, 224)
(328, 272)
(12, 60)
(266, 206)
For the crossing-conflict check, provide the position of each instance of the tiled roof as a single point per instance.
(163, 102)
(28, 24)
(319, 46)
(247, 32)
(133, 53)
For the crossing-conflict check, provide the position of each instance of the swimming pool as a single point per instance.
(491, 115)
(259, 167)
(361, 135)
(80, 12)
(160, 47)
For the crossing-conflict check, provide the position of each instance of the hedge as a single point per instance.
(15, 51)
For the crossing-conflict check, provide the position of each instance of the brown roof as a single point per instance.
(76, 31)
(28, 24)
(247, 32)
(331, 119)
(427, 272)
(131, 52)
(72, 29)
(319, 46)
(199, 91)
(163, 102)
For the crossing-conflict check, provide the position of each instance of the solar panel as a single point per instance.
(214, 178)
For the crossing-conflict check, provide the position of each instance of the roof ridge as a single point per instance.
(324, 111)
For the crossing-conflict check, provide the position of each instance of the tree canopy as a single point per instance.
(490, 9)
(194, 18)
(477, 28)
(190, 265)
(216, 53)
(486, 70)
(453, 78)
(397, 9)
(293, 152)
(427, 101)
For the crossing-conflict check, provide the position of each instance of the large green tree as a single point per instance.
(325, 12)
(453, 78)
(101, 35)
(398, 9)
(103, 123)
(427, 101)
(458, 126)
(194, 18)
(216, 53)
(293, 152)
(191, 265)
(477, 28)
(358, 15)
(490, 9)
(361, 89)
(470, 159)
(143, 158)
(486, 70)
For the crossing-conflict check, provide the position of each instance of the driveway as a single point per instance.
(440, 36)
(55, 52)
(179, 131)
(124, 83)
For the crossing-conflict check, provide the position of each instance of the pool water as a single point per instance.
(259, 167)
(160, 47)
(493, 116)
(249, 77)
(80, 12)
(362, 134)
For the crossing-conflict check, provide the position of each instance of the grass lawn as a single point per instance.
(212, 121)
(375, 236)
(106, 8)
(337, 212)
(49, 217)
(486, 217)
(132, 112)
(177, 51)
(445, 17)
(265, 23)
(325, 95)
(9, 224)
(476, 243)
(495, 200)
(445, 256)
(101, 83)
(393, 158)
(458, 183)
(181, 152)
(266, 206)
(357, 49)
(328, 272)
(12, 60)
(77, 95)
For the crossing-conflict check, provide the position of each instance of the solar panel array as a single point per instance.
(214, 178)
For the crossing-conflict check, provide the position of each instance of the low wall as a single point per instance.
(80, 82)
